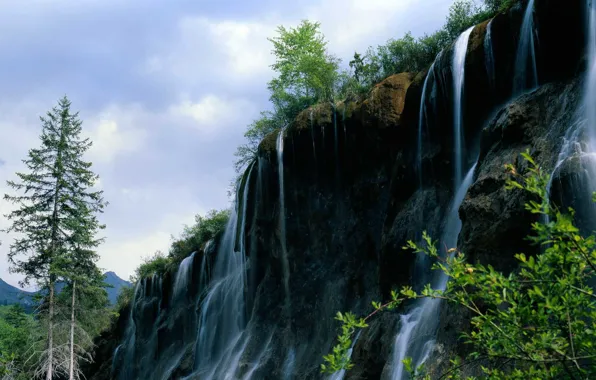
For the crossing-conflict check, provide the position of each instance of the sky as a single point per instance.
(165, 89)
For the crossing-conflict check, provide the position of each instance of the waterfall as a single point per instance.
(490, 57)
(129, 336)
(182, 276)
(459, 60)
(282, 216)
(421, 119)
(590, 89)
(419, 327)
(221, 337)
(339, 375)
(312, 133)
(525, 59)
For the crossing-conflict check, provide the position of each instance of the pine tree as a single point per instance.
(56, 217)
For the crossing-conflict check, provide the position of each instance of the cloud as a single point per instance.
(211, 113)
(110, 140)
(165, 90)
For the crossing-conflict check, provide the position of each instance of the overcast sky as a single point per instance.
(165, 89)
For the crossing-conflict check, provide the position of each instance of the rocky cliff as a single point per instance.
(358, 179)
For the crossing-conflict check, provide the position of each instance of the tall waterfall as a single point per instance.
(590, 90)
(282, 217)
(489, 56)
(221, 337)
(526, 71)
(421, 121)
(459, 60)
(419, 327)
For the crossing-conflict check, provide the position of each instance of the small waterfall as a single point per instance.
(459, 60)
(419, 327)
(290, 362)
(312, 133)
(130, 334)
(339, 375)
(526, 71)
(282, 216)
(183, 276)
(490, 57)
(421, 120)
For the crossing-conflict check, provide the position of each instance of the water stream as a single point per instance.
(419, 326)
(526, 71)
(459, 60)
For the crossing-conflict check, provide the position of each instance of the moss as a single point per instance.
(268, 144)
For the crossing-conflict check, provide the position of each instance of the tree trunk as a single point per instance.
(72, 327)
(49, 373)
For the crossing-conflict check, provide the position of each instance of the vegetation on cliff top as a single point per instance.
(538, 321)
(308, 74)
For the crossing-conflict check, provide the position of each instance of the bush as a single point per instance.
(194, 238)
(157, 264)
(537, 322)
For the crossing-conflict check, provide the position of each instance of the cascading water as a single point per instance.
(339, 375)
(590, 89)
(526, 71)
(182, 276)
(489, 56)
(421, 120)
(459, 60)
(282, 215)
(418, 328)
(221, 337)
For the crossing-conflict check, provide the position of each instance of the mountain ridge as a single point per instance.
(10, 294)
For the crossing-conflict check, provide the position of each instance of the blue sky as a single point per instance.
(165, 90)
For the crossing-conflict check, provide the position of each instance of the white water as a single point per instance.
(419, 327)
(590, 90)
(526, 71)
(421, 120)
(312, 133)
(182, 276)
(459, 60)
(221, 337)
(490, 56)
(282, 216)
(290, 362)
(339, 375)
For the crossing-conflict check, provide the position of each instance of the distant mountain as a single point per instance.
(11, 295)
(117, 284)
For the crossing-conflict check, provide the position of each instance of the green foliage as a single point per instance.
(306, 71)
(194, 238)
(158, 264)
(56, 219)
(537, 322)
(306, 74)
(15, 332)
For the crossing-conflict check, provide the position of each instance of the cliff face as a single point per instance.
(359, 180)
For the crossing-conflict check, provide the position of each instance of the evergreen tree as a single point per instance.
(56, 218)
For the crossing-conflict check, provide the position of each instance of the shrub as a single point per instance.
(538, 320)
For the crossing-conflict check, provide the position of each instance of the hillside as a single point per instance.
(11, 295)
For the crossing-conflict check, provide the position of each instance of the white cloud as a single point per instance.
(123, 253)
(212, 113)
(115, 131)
